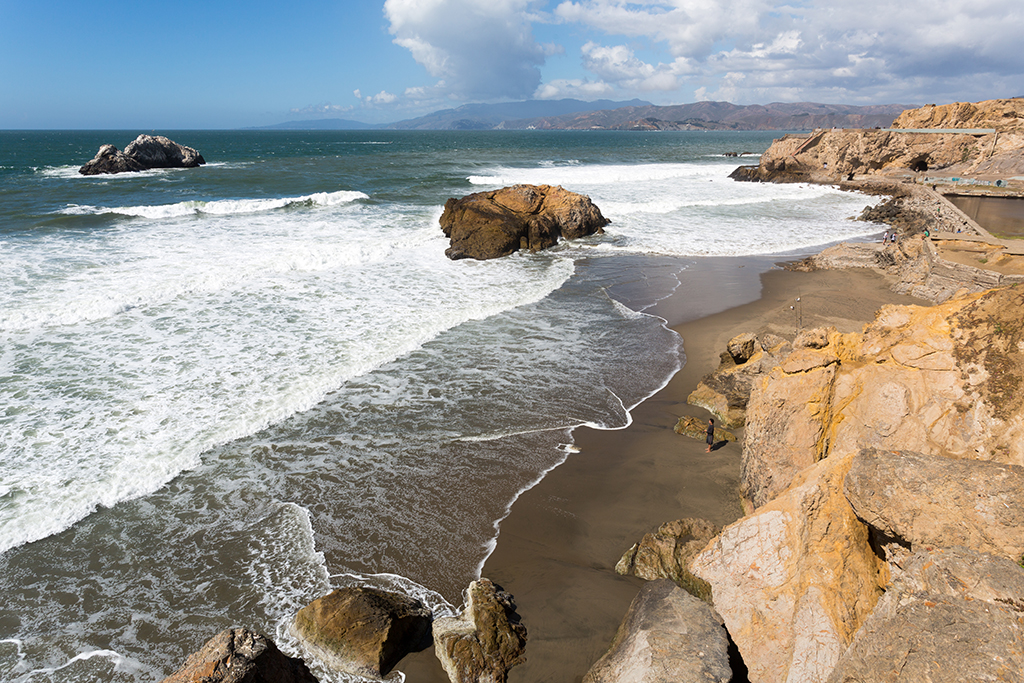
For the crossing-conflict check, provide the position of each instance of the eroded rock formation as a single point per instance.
(666, 554)
(144, 152)
(241, 656)
(953, 615)
(485, 641)
(941, 380)
(837, 154)
(487, 225)
(361, 630)
(667, 636)
(795, 580)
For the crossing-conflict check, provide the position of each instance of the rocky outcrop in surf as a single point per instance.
(485, 641)
(361, 630)
(487, 225)
(991, 144)
(143, 153)
(238, 655)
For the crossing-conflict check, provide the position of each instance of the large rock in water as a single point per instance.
(362, 630)
(241, 656)
(487, 225)
(667, 636)
(485, 641)
(144, 152)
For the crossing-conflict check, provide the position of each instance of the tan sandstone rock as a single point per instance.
(362, 630)
(795, 580)
(667, 636)
(487, 225)
(953, 615)
(828, 155)
(239, 655)
(926, 500)
(666, 554)
(485, 641)
(940, 380)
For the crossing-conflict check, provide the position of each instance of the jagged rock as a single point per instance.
(787, 417)
(362, 630)
(485, 641)
(146, 151)
(667, 636)
(696, 428)
(487, 225)
(666, 554)
(952, 615)
(926, 500)
(827, 155)
(794, 580)
(940, 380)
(725, 392)
(239, 655)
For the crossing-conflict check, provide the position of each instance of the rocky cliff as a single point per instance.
(869, 458)
(828, 155)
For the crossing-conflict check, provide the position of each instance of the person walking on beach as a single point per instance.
(710, 439)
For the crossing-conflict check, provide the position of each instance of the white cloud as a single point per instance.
(481, 49)
(758, 50)
(325, 109)
(580, 89)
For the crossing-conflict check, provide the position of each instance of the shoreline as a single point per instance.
(556, 550)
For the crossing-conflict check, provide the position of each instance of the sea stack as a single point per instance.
(487, 225)
(144, 152)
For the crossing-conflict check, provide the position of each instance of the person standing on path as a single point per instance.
(710, 439)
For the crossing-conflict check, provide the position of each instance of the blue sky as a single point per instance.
(227, 64)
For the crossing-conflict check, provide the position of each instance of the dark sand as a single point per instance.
(557, 549)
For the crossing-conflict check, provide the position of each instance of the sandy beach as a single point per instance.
(557, 549)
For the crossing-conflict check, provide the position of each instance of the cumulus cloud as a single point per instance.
(478, 49)
(757, 50)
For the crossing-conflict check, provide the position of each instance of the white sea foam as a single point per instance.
(222, 207)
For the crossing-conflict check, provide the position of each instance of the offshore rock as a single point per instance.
(485, 641)
(941, 380)
(361, 630)
(667, 636)
(666, 554)
(487, 225)
(924, 500)
(145, 152)
(725, 392)
(241, 656)
(794, 580)
(953, 615)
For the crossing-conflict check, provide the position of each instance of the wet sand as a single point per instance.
(557, 549)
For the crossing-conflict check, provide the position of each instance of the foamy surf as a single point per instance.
(222, 207)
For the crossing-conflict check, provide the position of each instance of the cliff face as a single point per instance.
(837, 154)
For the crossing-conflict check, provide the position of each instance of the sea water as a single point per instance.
(226, 390)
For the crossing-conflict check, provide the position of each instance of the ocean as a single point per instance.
(226, 390)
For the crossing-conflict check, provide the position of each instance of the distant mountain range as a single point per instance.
(633, 115)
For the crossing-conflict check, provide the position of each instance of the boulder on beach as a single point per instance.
(239, 655)
(483, 642)
(667, 636)
(487, 225)
(144, 152)
(362, 630)
(666, 554)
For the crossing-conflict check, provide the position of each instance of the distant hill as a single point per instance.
(323, 124)
(571, 114)
(491, 116)
(722, 116)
